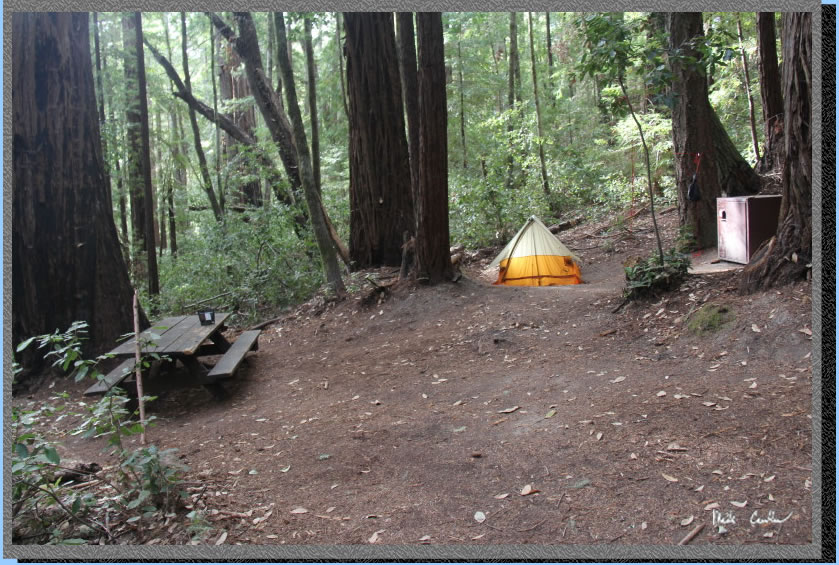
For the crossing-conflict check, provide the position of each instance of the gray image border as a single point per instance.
(611, 552)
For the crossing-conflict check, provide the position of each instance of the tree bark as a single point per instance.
(311, 92)
(381, 203)
(316, 212)
(544, 170)
(698, 131)
(408, 76)
(233, 86)
(748, 85)
(787, 256)
(432, 243)
(66, 260)
(100, 99)
(196, 133)
(178, 157)
(770, 93)
(140, 172)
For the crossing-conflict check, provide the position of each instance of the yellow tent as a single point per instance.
(535, 257)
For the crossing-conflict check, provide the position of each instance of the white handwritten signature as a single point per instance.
(729, 519)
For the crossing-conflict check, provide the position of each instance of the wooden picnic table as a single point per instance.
(184, 339)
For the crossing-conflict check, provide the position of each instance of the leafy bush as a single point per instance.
(649, 277)
(46, 510)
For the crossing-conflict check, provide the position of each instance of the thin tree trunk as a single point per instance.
(311, 91)
(100, 100)
(341, 64)
(432, 244)
(219, 186)
(316, 212)
(462, 105)
(545, 186)
(196, 133)
(550, 57)
(513, 95)
(408, 75)
(134, 144)
(748, 88)
(770, 93)
(177, 156)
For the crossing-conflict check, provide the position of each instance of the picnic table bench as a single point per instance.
(184, 339)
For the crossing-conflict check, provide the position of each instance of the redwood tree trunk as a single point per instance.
(432, 245)
(233, 86)
(788, 255)
(408, 74)
(770, 93)
(381, 203)
(66, 260)
(312, 96)
(698, 131)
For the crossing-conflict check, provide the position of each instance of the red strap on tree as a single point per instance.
(697, 159)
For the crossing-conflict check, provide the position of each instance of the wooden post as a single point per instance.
(138, 368)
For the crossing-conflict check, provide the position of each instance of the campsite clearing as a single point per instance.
(476, 414)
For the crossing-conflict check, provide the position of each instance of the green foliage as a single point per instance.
(257, 265)
(44, 508)
(650, 276)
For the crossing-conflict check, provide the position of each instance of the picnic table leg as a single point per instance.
(220, 341)
(199, 373)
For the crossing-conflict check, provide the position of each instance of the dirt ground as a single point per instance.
(473, 414)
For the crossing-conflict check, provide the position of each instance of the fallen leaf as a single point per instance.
(772, 498)
(633, 456)
(769, 478)
(458, 403)
(478, 537)
(687, 521)
(375, 537)
(550, 414)
(580, 484)
(806, 331)
(425, 538)
(253, 472)
(679, 396)
(285, 469)
(299, 510)
(712, 506)
(643, 525)
(508, 410)
(753, 385)
(661, 393)
(755, 328)
(700, 488)
(501, 496)
(323, 456)
(480, 517)
(618, 380)
(599, 436)
(669, 478)
(460, 429)
(716, 472)
(708, 403)
(221, 538)
(528, 489)
(674, 446)
(739, 504)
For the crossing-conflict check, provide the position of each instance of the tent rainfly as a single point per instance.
(535, 257)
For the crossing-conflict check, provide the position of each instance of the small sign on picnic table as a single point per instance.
(207, 317)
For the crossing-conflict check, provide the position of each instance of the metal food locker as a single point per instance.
(743, 223)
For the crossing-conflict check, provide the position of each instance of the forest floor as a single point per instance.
(474, 414)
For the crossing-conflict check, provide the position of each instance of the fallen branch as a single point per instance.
(262, 325)
(692, 534)
(207, 300)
